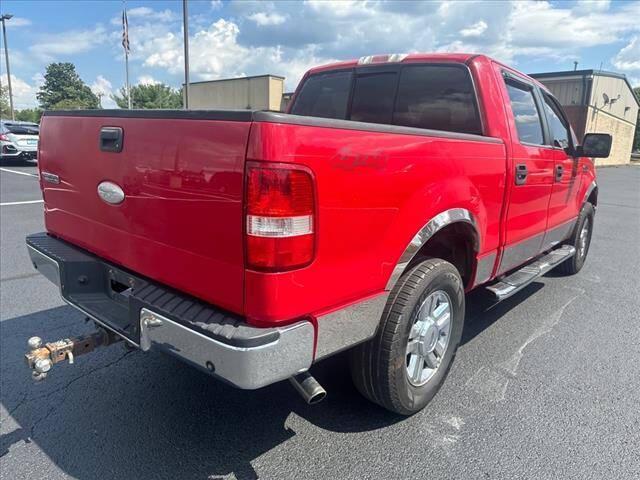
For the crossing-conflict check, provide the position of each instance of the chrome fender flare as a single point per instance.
(441, 220)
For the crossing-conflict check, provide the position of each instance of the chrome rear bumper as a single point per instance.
(215, 341)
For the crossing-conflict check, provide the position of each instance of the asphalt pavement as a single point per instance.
(545, 385)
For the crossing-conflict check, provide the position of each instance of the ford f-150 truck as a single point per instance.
(253, 244)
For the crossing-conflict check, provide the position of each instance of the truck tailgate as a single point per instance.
(181, 219)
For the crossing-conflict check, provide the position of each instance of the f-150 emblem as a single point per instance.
(110, 193)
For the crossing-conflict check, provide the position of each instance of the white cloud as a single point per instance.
(148, 80)
(103, 89)
(629, 57)
(541, 24)
(343, 8)
(475, 30)
(592, 5)
(101, 86)
(50, 46)
(211, 51)
(216, 4)
(24, 93)
(263, 19)
(146, 14)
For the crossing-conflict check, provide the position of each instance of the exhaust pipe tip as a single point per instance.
(308, 387)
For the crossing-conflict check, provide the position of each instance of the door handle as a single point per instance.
(521, 174)
(111, 139)
(559, 172)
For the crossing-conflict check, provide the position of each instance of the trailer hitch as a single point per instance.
(41, 359)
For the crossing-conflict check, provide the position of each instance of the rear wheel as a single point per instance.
(581, 240)
(405, 364)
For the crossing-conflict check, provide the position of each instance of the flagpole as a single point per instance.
(126, 66)
(125, 45)
(185, 22)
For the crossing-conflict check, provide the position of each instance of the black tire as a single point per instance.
(379, 366)
(574, 264)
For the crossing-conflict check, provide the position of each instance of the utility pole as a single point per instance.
(185, 22)
(5, 17)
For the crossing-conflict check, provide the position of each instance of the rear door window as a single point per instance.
(438, 98)
(525, 113)
(324, 95)
(373, 98)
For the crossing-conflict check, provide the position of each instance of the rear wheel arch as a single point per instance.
(452, 236)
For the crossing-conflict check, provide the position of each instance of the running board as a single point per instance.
(516, 281)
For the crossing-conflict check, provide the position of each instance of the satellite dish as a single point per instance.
(606, 98)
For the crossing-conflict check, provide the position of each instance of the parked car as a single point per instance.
(255, 244)
(18, 140)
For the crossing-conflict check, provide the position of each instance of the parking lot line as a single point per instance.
(26, 202)
(19, 173)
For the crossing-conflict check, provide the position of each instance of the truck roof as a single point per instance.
(422, 57)
(411, 57)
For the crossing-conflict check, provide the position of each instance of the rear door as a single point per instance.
(532, 176)
(563, 204)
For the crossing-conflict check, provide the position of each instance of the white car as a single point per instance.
(19, 140)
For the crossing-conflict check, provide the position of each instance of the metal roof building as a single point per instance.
(597, 101)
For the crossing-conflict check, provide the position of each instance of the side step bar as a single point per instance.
(519, 279)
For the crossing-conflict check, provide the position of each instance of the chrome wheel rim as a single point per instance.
(583, 239)
(428, 338)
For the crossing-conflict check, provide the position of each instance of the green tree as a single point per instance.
(29, 115)
(5, 111)
(148, 96)
(64, 89)
(636, 140)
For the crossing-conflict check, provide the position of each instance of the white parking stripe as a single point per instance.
(17, 172)
(26, 202)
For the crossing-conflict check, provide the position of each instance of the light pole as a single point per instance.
(185, 21)
(4, 17)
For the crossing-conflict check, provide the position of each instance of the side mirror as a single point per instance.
(595, 145)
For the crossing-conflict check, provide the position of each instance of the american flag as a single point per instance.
(125, 32)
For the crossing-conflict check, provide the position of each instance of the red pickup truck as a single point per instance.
(253, 244)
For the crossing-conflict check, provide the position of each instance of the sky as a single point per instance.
(236, 38)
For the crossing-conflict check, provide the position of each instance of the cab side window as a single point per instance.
(558, 127)
(525, 113)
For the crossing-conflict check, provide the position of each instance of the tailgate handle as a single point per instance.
(111, 139)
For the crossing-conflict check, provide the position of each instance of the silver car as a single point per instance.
(19, 140)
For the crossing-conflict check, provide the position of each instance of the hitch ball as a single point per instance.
(41, 358)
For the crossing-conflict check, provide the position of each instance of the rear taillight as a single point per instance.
(280, 216)
(4, 138)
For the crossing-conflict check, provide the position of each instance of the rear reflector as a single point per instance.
(280, 215)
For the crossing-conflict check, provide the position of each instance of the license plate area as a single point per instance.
(103, 292)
